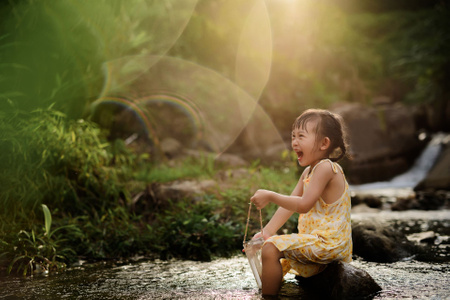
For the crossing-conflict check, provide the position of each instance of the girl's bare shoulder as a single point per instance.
(324, 169)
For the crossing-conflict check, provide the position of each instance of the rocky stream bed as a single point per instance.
(231, 278)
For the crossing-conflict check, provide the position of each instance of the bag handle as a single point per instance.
(248, 220)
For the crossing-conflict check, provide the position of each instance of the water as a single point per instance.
(222, 278)
(219, 279)
(416, 173)
(232, 278)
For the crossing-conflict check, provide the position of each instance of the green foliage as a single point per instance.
(414, 53)
(46, 157)
(39, 249)
(69, 165)
(47, 218)
(199, 233)
(190, 167)
(113, 234)
(214, 226)
(93, 216)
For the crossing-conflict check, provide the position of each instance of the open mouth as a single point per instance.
(299, 155)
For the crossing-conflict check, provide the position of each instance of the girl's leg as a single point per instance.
(272, 272)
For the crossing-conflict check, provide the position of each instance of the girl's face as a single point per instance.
(304, 144)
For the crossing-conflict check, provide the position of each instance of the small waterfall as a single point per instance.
(418, 171)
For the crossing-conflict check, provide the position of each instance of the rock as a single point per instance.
(340, 280)
(225, 175)
(373, 201)
(378, 243)
(442, 239)
(170, 147)
(158, 196)
(207, 184)
(356, 199)
(439, 175)
(230, 160)
(198, 153)
(179, 190)
(422, 237)
(382, 139)
(363, 208)
(222, 160)
(424, 200)
(370, 200)
(275, 152)
(437, 114)
(402, 204)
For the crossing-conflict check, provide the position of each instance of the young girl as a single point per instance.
(321, 197)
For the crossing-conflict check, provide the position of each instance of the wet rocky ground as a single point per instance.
(219, 279)
(231, 278)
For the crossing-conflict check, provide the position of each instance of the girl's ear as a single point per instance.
(325, 144)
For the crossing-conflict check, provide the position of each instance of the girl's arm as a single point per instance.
(278, 219)
(282, 214)
(296, 203)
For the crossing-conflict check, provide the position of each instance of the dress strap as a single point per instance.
(334, 166)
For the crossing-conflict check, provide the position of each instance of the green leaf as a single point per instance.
(48, 219)
(17, 258)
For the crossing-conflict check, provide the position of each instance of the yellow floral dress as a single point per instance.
(324, 234)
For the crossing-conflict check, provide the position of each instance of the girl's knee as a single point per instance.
(270, 251)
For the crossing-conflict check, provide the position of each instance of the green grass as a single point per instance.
(190, 167)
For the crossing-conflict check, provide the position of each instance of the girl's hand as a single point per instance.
(264, 235)
(261, 198)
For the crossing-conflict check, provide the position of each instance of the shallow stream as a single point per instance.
(219, 279)
(232, 278)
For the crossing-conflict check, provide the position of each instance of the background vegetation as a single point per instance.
(67, 185)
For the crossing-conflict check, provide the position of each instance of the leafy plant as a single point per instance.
(190, 167)
(199, 233)
(68, 163)
(114, 234)
(39, 250)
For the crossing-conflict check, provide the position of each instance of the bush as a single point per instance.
(114, 234)
(70, 166)
(199, 233)
(38, 250)
(65, 163)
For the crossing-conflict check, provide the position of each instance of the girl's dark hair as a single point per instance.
(329, 125)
